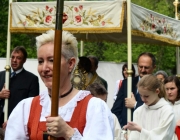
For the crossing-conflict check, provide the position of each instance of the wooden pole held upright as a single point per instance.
(57, 60)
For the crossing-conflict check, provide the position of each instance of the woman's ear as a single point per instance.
(72, 62)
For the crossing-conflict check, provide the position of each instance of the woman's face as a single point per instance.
(171, 91)
(125, 73)
(45, 65)
(160, 77)
(149, 97)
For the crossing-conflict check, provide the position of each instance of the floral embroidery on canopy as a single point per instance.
(73, 15)
(158, 25)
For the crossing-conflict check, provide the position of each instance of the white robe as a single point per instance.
(99, 120)
(157, 122)
(117, 128)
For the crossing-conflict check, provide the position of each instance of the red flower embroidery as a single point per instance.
(80, 7)
(153, 26)
(65, 17)
(47, 7)
(48, 19)
(24, 23)
(76, 9)
(103, 23)
(50, 10)
(78, 18)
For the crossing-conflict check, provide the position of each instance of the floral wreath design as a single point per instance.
(74, 15)
(158, 25)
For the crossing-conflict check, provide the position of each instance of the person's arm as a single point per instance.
(119, 103)
(99, 121)
(17, 123)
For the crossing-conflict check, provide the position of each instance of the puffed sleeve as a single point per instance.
(99, 121)
(16, 128)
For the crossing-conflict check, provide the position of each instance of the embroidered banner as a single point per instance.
(97, 21)
(150, 24)
(78, 16)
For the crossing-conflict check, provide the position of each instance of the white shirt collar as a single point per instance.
(18, 71)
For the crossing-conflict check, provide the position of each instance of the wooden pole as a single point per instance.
(57, 60)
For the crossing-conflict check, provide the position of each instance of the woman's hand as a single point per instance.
(132, 126)
(57, 127)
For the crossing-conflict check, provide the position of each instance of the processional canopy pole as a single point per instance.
(57, 60)
(7, 67)
(129, 71)
(176, 4)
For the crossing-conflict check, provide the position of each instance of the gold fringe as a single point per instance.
(72, 30)
(156, 37)
(122, 16)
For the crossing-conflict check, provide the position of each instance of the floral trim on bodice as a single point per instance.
(65, 111)
(72, 15)
(158, 25)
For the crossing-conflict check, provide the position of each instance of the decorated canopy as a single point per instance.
(97, 20)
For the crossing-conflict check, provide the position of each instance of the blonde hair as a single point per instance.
(69, 43)
(151, 83)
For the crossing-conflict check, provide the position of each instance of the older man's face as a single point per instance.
(145, 66)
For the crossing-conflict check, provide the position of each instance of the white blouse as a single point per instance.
(176, 109)
(99, 121)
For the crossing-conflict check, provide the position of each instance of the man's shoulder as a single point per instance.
(2, 72)
(28, 73)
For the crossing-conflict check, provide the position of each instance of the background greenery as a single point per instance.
(105, 51)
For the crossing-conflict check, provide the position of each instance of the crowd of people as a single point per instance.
(82, 109)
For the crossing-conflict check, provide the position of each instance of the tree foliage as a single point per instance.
(105, 51)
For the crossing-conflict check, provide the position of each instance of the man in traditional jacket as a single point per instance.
(23, 84)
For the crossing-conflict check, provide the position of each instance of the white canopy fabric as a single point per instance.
(97, 20)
